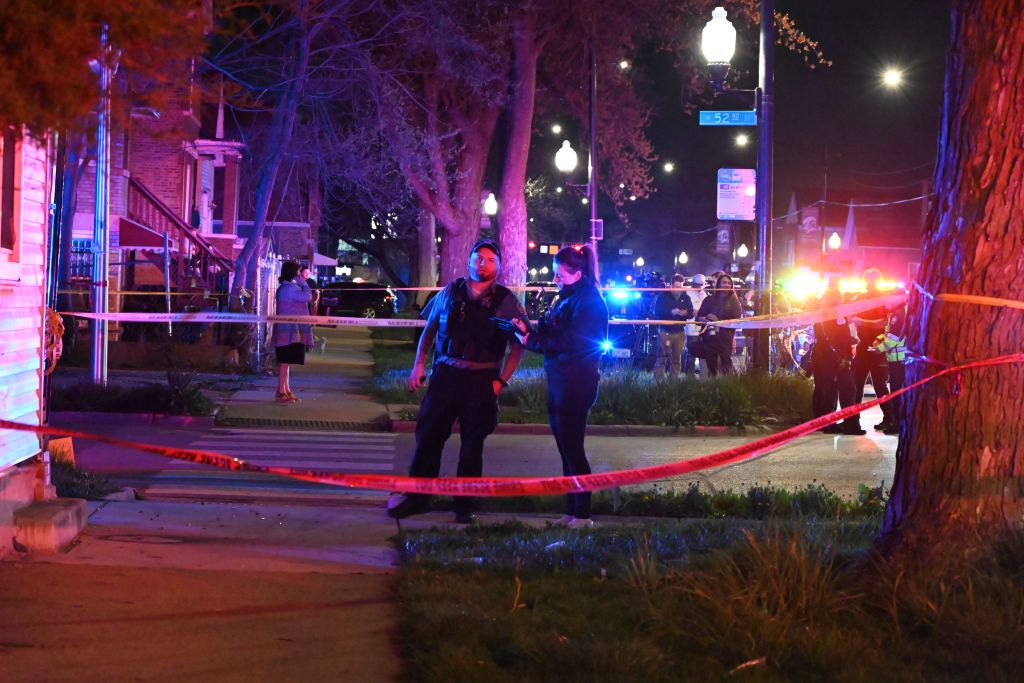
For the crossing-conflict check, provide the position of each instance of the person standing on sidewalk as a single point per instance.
(671, 338)
(870, 361)
(290, 340)
(716, 342)
(570, 336)
(696, 294)
(893, 343)
(473, 361)
(832, 361)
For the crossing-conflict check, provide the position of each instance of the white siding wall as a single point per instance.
(21, 307)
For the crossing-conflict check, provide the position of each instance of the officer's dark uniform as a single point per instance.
(570, 337)
(468, 353)
(869, 361)
(832, 366)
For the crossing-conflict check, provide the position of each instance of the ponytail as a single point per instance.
(579, 259)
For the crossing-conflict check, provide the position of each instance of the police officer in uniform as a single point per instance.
(473, 361)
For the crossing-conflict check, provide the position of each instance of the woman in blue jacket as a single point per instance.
(291, 340)
(570, 337)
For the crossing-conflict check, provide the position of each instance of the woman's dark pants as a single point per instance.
(571, 393)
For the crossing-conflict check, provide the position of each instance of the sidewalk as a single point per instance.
(171, 591)
(326, 385)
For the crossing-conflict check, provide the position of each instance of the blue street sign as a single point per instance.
(728, 118)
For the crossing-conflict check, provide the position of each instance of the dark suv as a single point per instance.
(358, 299)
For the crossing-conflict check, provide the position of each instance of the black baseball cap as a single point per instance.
(486, 244)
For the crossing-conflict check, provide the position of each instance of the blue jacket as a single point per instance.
(574, 328)
(293, 299)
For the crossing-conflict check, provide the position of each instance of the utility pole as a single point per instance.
(101, 219)
(765, 106)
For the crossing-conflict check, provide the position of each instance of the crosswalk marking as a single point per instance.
(350, 452)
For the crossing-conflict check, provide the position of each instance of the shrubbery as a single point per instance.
(633, 397)
(180, 396)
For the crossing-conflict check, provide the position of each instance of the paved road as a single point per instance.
(841, 463)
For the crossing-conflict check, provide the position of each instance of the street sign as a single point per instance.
(728, 118)
(625, 252)
(736, 192)
(597, 228)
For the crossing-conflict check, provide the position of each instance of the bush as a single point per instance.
(72, 482)
(180, 396)
(633, 397)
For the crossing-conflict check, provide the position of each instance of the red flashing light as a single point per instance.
(531, 244)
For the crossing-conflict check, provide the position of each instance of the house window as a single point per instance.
(7, 173)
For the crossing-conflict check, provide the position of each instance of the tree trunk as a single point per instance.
(426, 254)
(512, 220)
(285, 113)
(960, 461)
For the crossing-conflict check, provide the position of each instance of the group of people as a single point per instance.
(710, 344)
(848, 350)
(478, 331)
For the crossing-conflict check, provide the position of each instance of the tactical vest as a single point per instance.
(467, 330)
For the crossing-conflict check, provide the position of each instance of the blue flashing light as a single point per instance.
(619, 294)
(636, 295)
(606, 346)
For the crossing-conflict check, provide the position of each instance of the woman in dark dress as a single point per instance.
(715, 341)
(570, 337)
(291, 340)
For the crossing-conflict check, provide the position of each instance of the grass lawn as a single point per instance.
(722, 599)
(627, 395)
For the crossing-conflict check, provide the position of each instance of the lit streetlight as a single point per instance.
(566, 158)
(742, 140)
(556, 128)
(834, 241)
(624, 64)
(584, 201)
(491, 205)
(742, 251)
(669, 167)
(718, 42)
(892, 78)
(683, 258)
(639, 263)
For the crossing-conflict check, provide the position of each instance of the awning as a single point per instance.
(133, 235)
(321, 260)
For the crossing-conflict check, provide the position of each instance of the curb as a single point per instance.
(202, 421)
(409, 427)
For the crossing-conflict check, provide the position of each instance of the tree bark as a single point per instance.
(960, 461)
(512, 219)
(426, 254)
(285, 113)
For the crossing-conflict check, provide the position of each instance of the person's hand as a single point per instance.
(711, 317)
(417, 378)
(522, 335)
(677, 311)
(498, 386)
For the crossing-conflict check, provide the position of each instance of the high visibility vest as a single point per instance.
(894, 347)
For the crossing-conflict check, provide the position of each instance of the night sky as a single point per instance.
(880, 143)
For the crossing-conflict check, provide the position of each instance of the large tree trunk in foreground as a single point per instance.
(960, 462)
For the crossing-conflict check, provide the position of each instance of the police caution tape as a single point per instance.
(801, 319)
(520, 486)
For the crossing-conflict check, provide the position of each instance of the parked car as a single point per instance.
(358, 299)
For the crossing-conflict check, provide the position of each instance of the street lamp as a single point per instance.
(742, 251)
(834, 242)
(491, 205)
(669, 167)
(718, 42)
(742, 139)
(683, 258)
(566, 158)
(556, 128)
(892, 78)
(719, 45)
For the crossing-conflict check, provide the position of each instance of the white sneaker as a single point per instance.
(564, 520)
(580, 523)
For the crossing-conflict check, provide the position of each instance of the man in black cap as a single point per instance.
(473, 361)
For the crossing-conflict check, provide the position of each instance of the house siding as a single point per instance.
(22, 309)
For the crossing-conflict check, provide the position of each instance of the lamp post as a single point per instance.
(719, 44)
